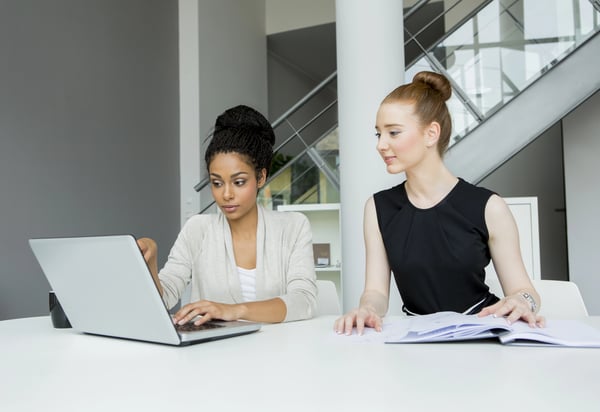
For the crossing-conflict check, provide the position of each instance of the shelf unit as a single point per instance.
(324, 220)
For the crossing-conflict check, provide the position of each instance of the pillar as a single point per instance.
(370, 62)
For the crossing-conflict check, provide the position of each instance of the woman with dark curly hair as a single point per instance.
(244, 262)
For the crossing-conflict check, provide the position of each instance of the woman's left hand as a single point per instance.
(514, 307)
(208, 310)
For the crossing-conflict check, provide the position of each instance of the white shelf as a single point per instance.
(309, 207)
(324, 220)
(328, 269)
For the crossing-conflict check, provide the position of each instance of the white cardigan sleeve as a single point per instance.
(300, 296)
(177, 272)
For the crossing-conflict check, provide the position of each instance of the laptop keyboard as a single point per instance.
(190, 327)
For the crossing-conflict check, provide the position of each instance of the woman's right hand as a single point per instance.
(374, 299)
(148, 248)
(150, 252)
(360, 317)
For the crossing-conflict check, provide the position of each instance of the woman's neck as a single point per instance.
(245, 227)
(427, 186)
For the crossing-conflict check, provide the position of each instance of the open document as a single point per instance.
(452, 326)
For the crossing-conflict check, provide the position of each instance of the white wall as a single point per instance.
(582, 151)
(228, 39)
(283, 15)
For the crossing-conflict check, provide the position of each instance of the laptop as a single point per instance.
(106, 288)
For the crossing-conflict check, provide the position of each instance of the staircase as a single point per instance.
(516, 67)
(560, 87)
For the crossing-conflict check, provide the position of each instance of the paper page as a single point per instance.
(450, 326)
(561, 332)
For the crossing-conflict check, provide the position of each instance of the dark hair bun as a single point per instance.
(248, 119)
(436, 82)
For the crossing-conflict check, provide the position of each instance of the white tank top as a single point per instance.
(248, 283)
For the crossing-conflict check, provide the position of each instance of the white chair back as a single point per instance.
(560, 299)
(328, 302)
(525, 213)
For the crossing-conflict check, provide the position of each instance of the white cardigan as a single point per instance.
(203, 254)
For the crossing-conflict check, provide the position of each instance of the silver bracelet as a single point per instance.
(531, 300)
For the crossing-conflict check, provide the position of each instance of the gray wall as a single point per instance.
(233, 70)
(232, 60)
(560, 167)
(537, 170)
(298, 60)
(582, 150)
(88, 130)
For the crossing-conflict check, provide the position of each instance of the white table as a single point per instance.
(299, 366)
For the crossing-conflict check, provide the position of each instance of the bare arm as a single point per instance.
(507, 259)
(270, 311)
(377, 277)
(375, 297)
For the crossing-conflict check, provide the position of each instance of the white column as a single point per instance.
(223, 63)
(370, 64)
(189, 107)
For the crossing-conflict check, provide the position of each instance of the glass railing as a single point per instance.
(428, 23)
(503, 49)
(311, 177)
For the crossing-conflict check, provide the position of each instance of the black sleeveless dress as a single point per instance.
(437, 255)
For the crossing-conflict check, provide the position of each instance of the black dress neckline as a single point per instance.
(438, 204)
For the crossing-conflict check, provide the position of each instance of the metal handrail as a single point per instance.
(204, 182)
(415, 8)
(413, 36)
(302, 153)
(305, 151)
(306, 98)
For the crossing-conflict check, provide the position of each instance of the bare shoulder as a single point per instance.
(370, 213)
(370, 220)
(498, 217)
(370, 205)
(496, 207)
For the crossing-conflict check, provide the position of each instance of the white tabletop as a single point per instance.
(300, 366)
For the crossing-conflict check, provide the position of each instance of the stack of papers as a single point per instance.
(449, 326)
(452, 326)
